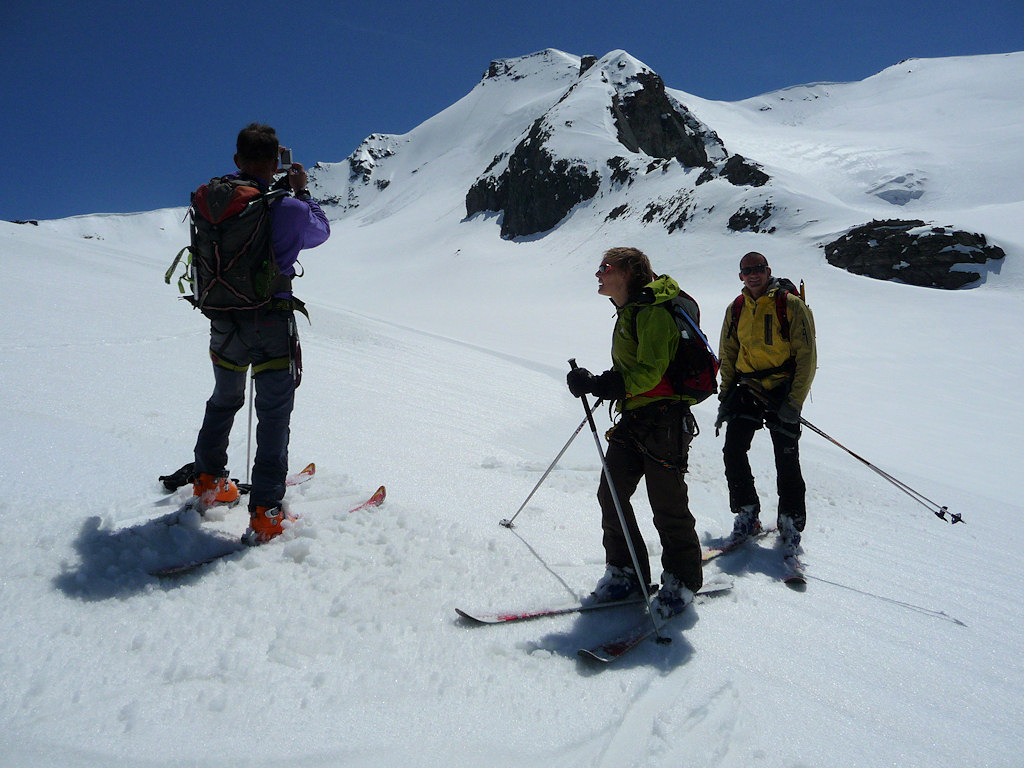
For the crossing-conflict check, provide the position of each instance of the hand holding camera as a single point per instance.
(295, 176)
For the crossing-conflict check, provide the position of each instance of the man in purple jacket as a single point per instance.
(265, 339)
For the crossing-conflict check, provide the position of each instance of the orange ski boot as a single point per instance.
(212, 491)
(265, 523)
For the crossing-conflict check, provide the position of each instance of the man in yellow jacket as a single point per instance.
(768, 358)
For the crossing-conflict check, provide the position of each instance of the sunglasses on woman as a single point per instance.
(604, 268)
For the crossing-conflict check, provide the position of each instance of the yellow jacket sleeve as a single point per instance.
(804, 347)
(728, 352)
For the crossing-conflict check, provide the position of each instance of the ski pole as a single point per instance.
(939, 511)
(622, 517)
(508, 523)
(248, 446)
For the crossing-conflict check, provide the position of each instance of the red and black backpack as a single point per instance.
(231, 264)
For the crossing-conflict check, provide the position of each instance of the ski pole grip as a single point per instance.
(572, 363)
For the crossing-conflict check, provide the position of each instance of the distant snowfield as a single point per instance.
(435, 364)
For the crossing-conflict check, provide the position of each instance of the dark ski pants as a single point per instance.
(748, 416)
(652, 442)
(265, 341)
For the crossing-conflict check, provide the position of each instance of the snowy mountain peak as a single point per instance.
(549, 137)
(549, 63)
(620, 70)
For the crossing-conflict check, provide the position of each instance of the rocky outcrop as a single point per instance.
(915, 253)
(536, 190)
(535, 184)
(738, 171)
(741, 172)
(752, 219)
(365, 159)
(647, 122)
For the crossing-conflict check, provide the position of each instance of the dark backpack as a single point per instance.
(231, 264)
(786, 287)
(694, 369)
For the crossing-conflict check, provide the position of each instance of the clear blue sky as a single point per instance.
(126, 106)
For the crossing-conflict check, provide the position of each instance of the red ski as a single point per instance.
(236, 547)
(299, 478)
(374, 501)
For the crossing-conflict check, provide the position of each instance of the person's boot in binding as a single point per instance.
(265, 523)
(212, 491)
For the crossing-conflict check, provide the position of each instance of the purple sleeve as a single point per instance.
(297, 225)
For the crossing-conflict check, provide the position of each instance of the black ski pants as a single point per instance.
(652, 442)
(747, 414)
(267, 341)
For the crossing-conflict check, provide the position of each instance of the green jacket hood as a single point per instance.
(663, 288)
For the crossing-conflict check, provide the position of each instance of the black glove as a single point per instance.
(608, 386)
(723, 414)
(579, 381)
(788, 412)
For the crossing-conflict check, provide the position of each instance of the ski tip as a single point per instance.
(374, 501)
(469, 617)
(306, 473)
(597, 656)
(716, 586)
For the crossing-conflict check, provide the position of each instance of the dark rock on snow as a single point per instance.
(913, 252)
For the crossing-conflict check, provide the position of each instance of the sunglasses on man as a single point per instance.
(604, 268)
(755, 270)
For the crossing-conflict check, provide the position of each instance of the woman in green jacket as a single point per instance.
(651, 438)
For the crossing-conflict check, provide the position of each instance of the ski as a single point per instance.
(235, 547)
(726, 545)
(613, 650)
(794, 572)
(186, 475)
(302, 476)
(296, 478)
(508, 617)
(180, 569)
(374, 501)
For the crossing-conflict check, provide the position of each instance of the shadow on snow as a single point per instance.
(117, 563)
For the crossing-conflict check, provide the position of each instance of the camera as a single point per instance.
(286, 158)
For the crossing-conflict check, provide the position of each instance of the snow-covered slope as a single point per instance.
(435, 364)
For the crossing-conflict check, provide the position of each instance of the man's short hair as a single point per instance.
(757, 258)
(257, 143)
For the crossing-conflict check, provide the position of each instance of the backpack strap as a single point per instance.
(737, 308)
(676, 309)
(780, 312)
